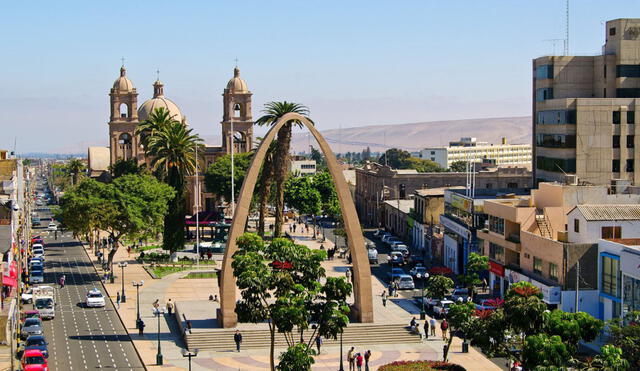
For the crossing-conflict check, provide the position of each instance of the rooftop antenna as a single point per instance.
(566, 30)
(158, 75)
(122, 59)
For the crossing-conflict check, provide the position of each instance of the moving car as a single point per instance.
(36, 276)
(52, 226)
(396, 257)
(460, 294)
(31, 326)
(34, 357)
(27, 296)
(428, 302)
(405, 282)
(44, 301)
(94, 299)
(372, 253)
(442, 308)
(395, 273)
(401, 248)
(419, 272)
(37, 342)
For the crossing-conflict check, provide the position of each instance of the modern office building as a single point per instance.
(469, 149)
(584, 110)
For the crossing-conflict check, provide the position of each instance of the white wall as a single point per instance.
(439, 156)
(451, 253)
(588, 302)
(591, 231)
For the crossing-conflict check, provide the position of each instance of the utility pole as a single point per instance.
(196, 199)
(577, 284)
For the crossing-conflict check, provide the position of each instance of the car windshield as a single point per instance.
(44, 303)
(31, 322)
(37, 360)
(36, 273)
(35, 342)
(406, 279)
(94, 295)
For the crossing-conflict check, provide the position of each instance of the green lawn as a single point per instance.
(200, 275)
(145, 248)
(164, 271)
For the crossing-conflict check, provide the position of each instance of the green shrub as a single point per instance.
(421, 366)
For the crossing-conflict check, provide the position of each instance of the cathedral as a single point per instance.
(125, 115)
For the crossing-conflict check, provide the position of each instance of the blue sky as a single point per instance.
(353, 63)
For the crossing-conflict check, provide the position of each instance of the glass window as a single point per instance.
(612, 31)
(556, 164)
(615, 166)
(616, 141)
(496, 224)
(629, 168)
(556, 140)
(544, 94)
(616, 117)
(611, 232)
(627, 70)
(611, 276)
(631, 294)
(560, 117)
(553, 271)
(631, 117)
(544, 72)
(537, 265)
(576, 225)
(496, 252)
(628, 93)
(630, 141)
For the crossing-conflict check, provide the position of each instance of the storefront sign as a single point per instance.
(455, 227)
(497, 269)
(550, 294)
(458, 201)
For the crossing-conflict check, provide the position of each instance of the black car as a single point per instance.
(37, 342)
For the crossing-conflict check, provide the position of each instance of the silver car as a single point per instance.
(31, 326)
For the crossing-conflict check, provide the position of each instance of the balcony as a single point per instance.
(512, 242)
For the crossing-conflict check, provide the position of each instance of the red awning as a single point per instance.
(9, 281)
(13, 270)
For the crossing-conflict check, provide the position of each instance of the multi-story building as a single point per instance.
(397, 218)
(584, 110)
(302, 165)
(428, 204)
(618, 276)
(377, 183)
(470, 150)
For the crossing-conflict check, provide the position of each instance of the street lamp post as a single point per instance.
(158, 312)
(423, 313)
(137, 286)
(341, 365)
(123, 297)
(186, 353)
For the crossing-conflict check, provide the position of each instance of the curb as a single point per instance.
(118, 313)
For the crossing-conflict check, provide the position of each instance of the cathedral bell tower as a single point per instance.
(123, 143)
(237, 110)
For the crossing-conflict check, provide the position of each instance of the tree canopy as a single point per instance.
(217, 177)
(400, 159)
(301, 194)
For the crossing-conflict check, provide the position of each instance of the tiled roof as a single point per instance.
(610, 212)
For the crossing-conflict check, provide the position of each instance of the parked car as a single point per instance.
(393, 240)
(395, 273)
(401, 248)
(37, 342)
(396, 257)
(31, 326)
(429, 303)
(442, 308)
(416, 260)
(372, 253)
(460, 294)
(486, 304)
(33, 357)
(386, 236)
(27, 296)
(36, 276)
(405, 282)
(30, 314)
(378, 233)
(419, 272)
(94, 299)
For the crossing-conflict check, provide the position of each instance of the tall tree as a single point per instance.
(171, 147)
(264, 187)
(76, 168)
(476, 264)
(458, 166)
(626, 335)
(439, 286)
(81, 208)
(273, 111)
(301, 195)
(395, 158)
(217, 177)
(123, 167)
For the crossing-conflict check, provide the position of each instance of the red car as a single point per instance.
(36, 368)
(34, 360)
(30, 314)
(36, 239)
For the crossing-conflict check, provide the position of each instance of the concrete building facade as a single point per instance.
(469, 149)
(584, 110)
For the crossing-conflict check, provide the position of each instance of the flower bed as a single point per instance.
(420, 366)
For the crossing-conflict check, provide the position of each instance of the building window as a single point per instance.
(512, 185)
(553, 271)
(616, 141)
(433, 152)
(496, 224)
(629, 168)
(628, 93)
(556, 140)
(496, 252)
(556, 164)
(631, 117)
(527, 256)
(612, 31)
(559, 117)
(576, 225)
(615, 166)
(611, 232)
(489, 186)
(537, 265)
(616, 117)
(630, 141)
(611, 276)
(627, 70)
(631, 295)
(544, 72)
(543, 94)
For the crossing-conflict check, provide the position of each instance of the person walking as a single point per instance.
(395, 289)
(359, 360)
(433, 323)
(444, 326)
(426, 330)
(237, 337)
(209, 255)
(318, 342)
(384, 298)
(348, 274)
(170, 307)
(141, 328)
(156, 304)
(62, 280)
(367, 355)
(351, 357)
(118, 300)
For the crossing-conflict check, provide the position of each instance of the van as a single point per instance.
(372, 253)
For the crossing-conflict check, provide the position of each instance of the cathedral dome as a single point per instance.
(236, 84)
(159, 101)
(123, 84)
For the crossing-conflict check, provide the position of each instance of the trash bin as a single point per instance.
(465, 346)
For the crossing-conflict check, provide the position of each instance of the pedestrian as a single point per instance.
(62, 280)
(348, 274)
(426, 330)
(118, 300)
(433, 323)
(141, 328)
(170, 307)
(384, 298)
(318, 342)
(294, 228)
(484, 284)
(444, 326)
(128, 251)
(351, 357)
(291, 228)
(413, 325)
(209, 255)
(321, 246)
(367, 355)
(395, 289)
(156, 304)
(215, 298)
(237, 337)
(359, 360)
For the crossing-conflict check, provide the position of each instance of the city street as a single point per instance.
(81, 338)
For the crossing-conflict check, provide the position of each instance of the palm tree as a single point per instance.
(75, 167)
(171, 147)
(266, 176)
(273, 112)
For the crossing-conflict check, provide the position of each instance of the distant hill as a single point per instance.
(415, 136)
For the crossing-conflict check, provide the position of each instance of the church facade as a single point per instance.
(125, 144)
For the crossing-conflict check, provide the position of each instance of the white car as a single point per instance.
(442, 308)
(52, 226)
(94, 299)
(38, 252)
(27, 296)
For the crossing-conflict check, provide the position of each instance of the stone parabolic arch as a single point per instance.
(363, 303)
